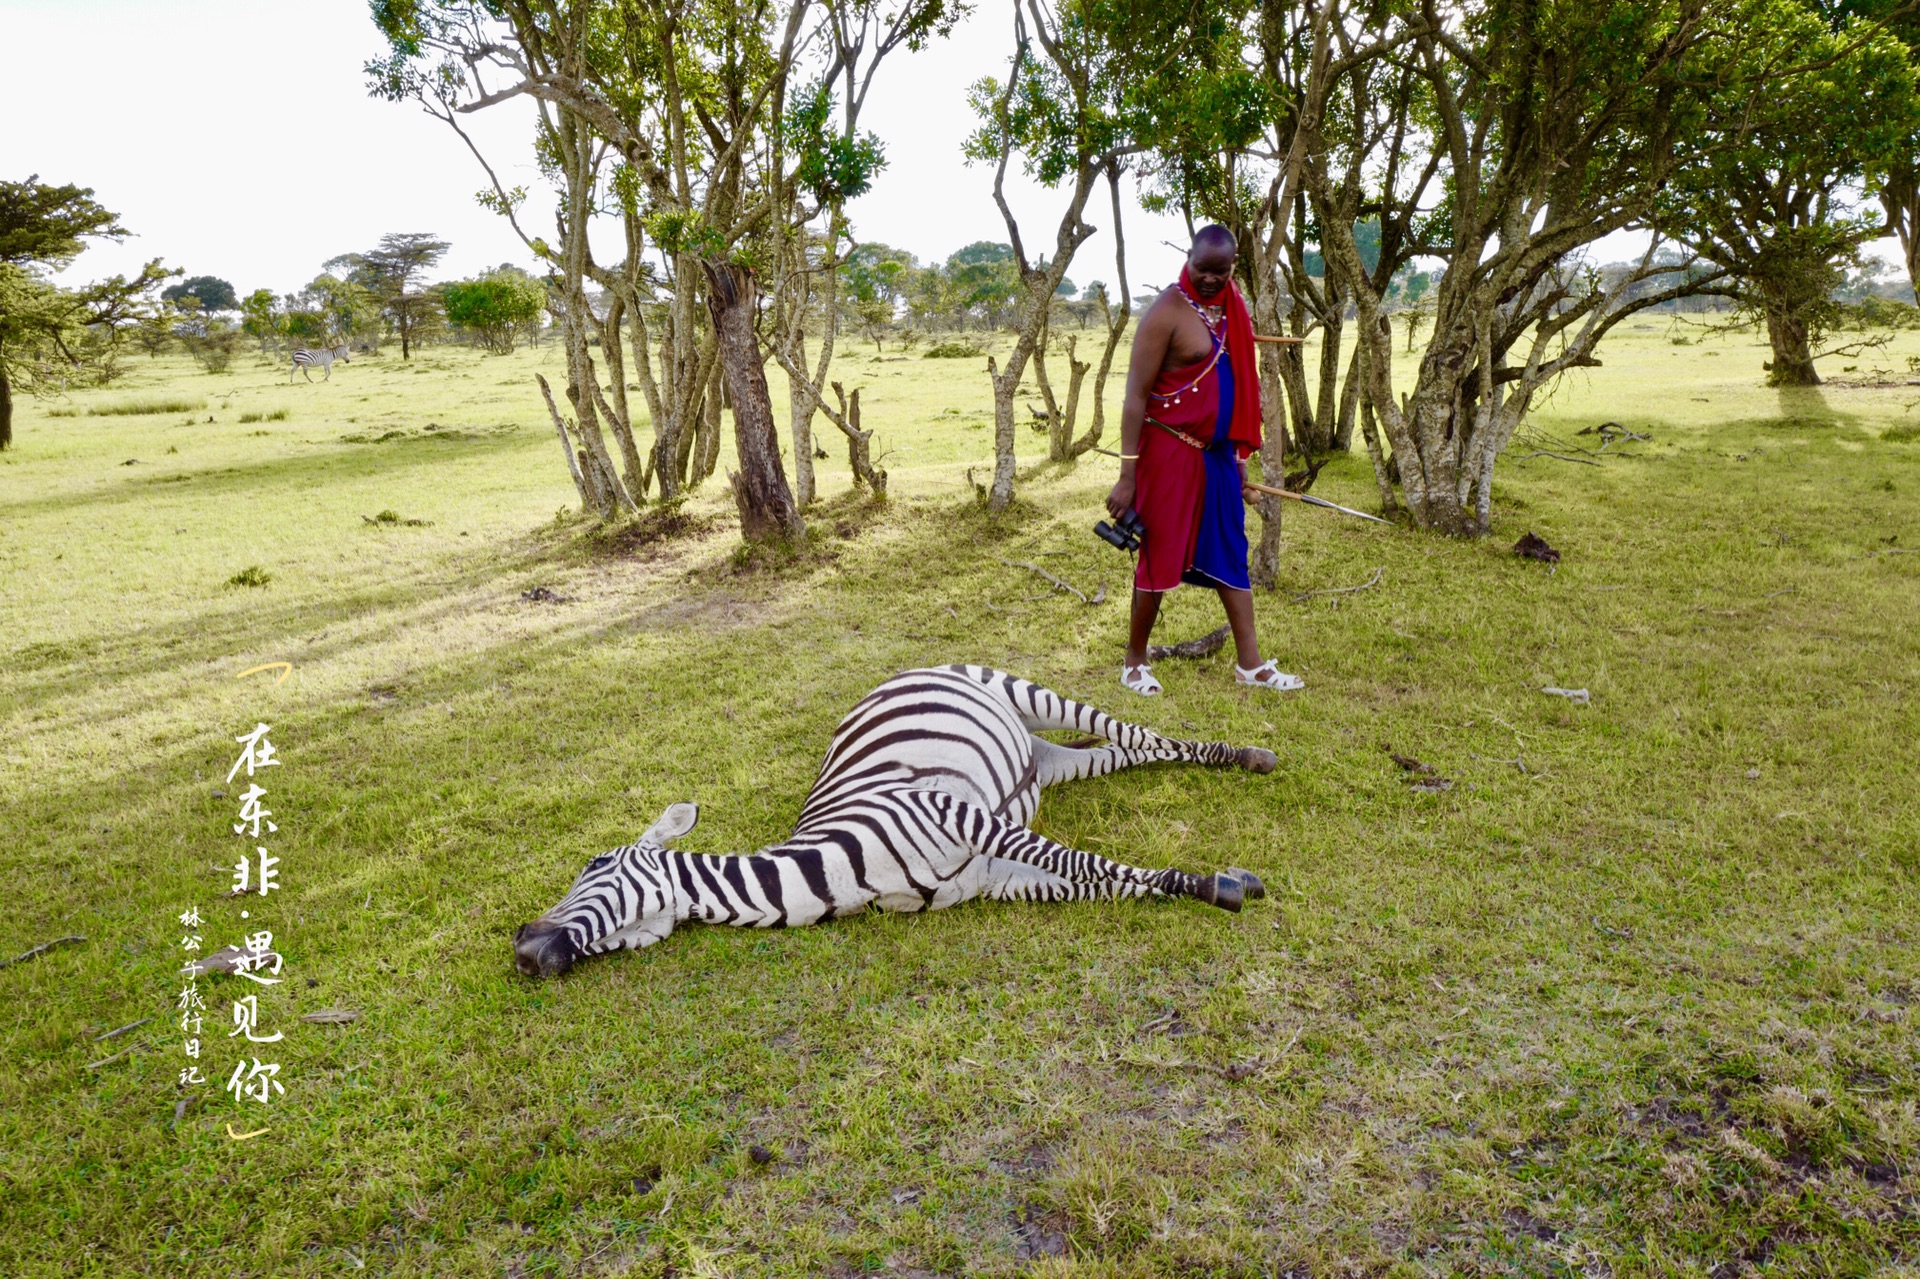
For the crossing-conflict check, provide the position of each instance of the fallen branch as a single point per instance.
(1561, 457)
(41, 949)
(1206, 646)
(1065, 586)
(113, 1034)
(1369, 584)
(108, 1061)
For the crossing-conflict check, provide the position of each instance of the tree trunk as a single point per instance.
(1900, 194)
(6, 410)
(860, 445)
(767, 510)
(1005, 385)
(1369, 430)
(1349, 401)
(1321, 442)
(566, 445)
(1264, 569)
(1792, 363)
(619, 414)
(800, 423)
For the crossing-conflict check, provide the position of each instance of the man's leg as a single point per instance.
(1239, 606)
(1146, 609)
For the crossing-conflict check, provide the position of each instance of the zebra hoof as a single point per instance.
(1257, 759)
(1227, 892)
(1250, 886)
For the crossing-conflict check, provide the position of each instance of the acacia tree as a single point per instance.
(212, 292)
(394, 271)
(1065, 108)
(1227, 119)
(1536, 127)
(669, 116)
(53, 337)
(1774, 191)
(817, 133)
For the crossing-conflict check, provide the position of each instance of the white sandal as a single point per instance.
(1139, 679)
(1267, 675)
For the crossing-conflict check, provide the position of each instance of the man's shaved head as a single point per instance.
(1213, 238)
(1210, 260)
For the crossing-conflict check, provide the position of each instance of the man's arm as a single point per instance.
(1149, 356)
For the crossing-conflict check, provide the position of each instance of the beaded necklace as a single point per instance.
(1219, 345)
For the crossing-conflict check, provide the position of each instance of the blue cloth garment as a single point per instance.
(1220, 550)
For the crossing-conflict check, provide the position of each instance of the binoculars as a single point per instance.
(1124, 534)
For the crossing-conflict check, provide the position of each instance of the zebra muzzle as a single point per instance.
(541, 949)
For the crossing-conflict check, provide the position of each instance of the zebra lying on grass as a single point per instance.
(304, 360)
(921, 802)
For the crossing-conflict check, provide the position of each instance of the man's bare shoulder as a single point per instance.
(1170, 303)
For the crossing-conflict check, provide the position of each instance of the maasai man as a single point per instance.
(1192, 419)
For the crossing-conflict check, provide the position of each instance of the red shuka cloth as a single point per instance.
(1245, 430)
(1172, 474)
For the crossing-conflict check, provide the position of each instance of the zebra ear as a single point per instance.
(675, 822)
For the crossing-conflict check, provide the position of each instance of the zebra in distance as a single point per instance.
(922, 801)
(305, 360)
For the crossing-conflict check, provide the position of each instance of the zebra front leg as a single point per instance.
(990, 836)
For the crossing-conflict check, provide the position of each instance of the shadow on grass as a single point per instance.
(343, 462)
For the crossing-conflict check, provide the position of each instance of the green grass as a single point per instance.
(1639, 1003)
(142, 407)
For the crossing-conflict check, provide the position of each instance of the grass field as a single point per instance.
(1635, 997)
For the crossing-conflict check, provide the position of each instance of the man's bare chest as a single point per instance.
(1190, 339)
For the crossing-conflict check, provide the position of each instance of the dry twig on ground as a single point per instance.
(1369, 584)
(39, 950)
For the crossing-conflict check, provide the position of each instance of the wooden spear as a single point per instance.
(1311, 500)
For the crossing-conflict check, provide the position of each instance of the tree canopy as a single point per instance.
(501, 306)
(53, 337)
(212, 292)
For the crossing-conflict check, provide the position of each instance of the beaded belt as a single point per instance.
(1177, 434)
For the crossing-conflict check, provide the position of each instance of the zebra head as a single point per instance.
(623, 900)
(340, 354)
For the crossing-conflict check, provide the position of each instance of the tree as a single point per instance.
(1503, 138)
(500, 306)
(261, 318)
(393, 272)
(987, 280)
(1775, 191)
(671, 119)
(1067, 108)
(874, 281)
(213, 293)
(51, 336)
(210, 338)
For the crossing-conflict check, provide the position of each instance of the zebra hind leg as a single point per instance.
(990, 836)
(1016, 882)
(1042, 710)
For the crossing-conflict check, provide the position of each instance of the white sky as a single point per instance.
(237, 139)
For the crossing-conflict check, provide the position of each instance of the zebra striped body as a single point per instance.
(921, 802)
(304, 361)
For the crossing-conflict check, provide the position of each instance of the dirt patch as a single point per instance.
(1038, 1233)
(633, 539)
